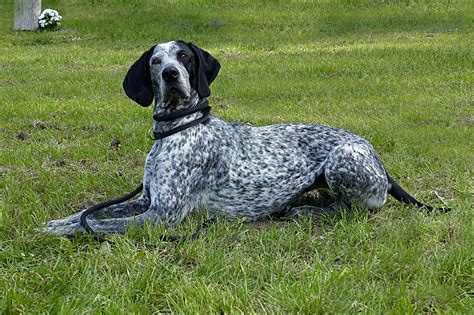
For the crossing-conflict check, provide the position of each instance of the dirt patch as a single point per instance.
(4, 170)
(220, 103)
(445, 193)
(230, 54)
(39, 124)
(115, 144)
(36, 124)
(447, 235)
(93, 128)
(84, 165)
(467, 120)
(60, 163)
(22, 136)
(11, 82)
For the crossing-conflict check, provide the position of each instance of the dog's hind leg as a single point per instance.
(354, 173)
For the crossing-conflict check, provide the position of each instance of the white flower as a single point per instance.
(49, 18)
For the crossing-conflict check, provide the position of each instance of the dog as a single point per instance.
(232, 169)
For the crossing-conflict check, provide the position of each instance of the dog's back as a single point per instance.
(259, 170)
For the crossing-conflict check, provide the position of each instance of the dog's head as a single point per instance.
(171, 72)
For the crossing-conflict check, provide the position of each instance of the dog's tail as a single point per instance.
(401, 195)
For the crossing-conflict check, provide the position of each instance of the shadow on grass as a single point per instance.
(122, 24)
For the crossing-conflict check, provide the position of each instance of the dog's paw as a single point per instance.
(72, 219)
(61, 230)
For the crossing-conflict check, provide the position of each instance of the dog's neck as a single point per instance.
(163, 109)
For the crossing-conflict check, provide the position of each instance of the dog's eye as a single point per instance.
(156, 61)
(182, 56)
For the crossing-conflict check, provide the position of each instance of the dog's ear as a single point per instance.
(137, 82)
(207, 68)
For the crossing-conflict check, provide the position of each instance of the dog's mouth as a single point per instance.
(174, 93)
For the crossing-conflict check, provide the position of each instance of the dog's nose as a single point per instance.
(170, 74)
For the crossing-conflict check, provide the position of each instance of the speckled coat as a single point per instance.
(232, 169)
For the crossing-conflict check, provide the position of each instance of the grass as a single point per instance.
(398, 73)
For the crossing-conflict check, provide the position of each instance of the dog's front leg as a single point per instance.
(115, 225)
(126, 209)
(168, 215)
(172, 196)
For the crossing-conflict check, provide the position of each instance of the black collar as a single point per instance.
(202, 106)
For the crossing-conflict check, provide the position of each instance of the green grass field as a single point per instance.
(399, 73)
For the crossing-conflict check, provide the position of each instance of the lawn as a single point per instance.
(399, 73)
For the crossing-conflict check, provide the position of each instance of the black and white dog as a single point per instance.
(232, 169)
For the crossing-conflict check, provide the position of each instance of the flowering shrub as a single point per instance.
(50, 20)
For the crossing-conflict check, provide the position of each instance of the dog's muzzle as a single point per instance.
(173, 89)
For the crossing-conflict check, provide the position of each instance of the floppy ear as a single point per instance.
(137, 82)
(207, 68)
